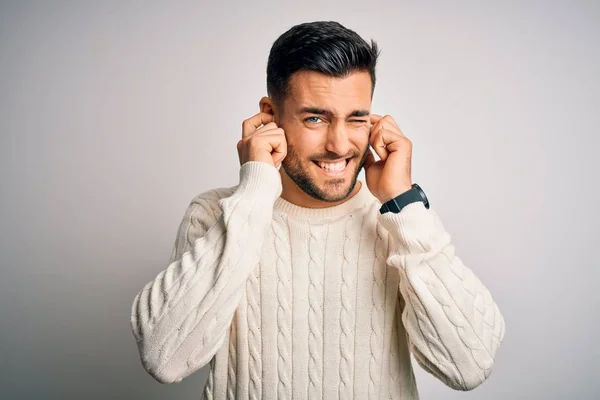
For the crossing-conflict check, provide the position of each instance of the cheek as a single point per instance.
(305, 147)
(361, 139)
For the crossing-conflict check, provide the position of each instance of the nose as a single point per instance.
(338, 141)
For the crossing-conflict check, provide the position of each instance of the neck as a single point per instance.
(293, 194)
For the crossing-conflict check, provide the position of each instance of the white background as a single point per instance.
(114, 114)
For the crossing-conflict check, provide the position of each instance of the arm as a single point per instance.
(180, 319)
(454, 326)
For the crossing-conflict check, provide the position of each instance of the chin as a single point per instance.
(323, 185)
(336, 185)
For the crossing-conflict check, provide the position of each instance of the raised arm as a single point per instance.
(180, 318)
(454, 325)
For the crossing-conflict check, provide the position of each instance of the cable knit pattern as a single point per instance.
(241, 239)
(426, 334)
(232, 363)
(168, 292)
(210, 383)
(377, 314)
(284, 311)
(172, 285)
(456, 315)
(202, 213)
(347, 313)
(175, 317)
(315, 317)
(470, 327)
(254, 339)
(220, 318)
(393, 367)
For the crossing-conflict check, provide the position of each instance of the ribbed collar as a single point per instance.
(362, 198)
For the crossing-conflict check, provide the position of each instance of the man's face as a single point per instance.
(326, 121)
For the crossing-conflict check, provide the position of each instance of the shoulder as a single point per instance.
(213, 196)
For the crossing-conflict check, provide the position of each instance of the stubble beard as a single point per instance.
(298, 172)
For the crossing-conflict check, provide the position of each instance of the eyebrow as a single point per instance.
(321, 111)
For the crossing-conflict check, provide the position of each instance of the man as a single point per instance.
(302, 282)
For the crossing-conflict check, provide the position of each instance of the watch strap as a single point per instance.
(396, 204)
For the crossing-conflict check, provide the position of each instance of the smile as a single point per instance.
(333, 168)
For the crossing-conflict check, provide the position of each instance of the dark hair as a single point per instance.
(323, 46)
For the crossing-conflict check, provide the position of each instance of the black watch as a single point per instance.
(413, 195)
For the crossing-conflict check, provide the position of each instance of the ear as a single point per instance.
(267, 105)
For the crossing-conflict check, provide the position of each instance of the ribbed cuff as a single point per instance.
(258, 178)
(411, 227)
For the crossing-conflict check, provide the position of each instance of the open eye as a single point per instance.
(310, 118)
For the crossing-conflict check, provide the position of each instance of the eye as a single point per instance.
(310, 118)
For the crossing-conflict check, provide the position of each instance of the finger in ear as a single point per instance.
(378, 144)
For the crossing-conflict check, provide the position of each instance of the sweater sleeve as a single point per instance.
(453, 324)
(180, 318)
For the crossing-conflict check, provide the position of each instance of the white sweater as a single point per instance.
(287, 302)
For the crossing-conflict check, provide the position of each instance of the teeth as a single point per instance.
(338, 166)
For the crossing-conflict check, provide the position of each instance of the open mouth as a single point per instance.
(333, 168)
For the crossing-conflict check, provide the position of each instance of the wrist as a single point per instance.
(387, 197)
(259, 177)
(414, 194)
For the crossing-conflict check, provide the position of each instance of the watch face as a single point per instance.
(422, 194)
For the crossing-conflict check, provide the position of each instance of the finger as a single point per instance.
(394, 146)
(277, 145)
(378, 143)
(387, 122)
(270, 127)
(375, 118)
(250, 125)
(390, 124)
(279, 154)
(377, 123)
(278, 159)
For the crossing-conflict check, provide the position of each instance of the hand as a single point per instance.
(390, 176)
(266, 144)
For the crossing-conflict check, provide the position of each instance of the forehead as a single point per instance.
(314, 89)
